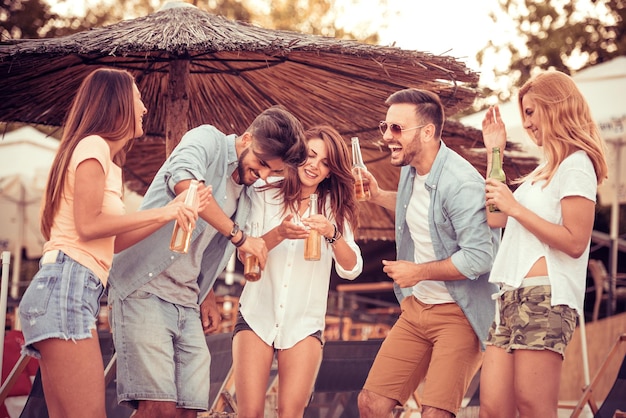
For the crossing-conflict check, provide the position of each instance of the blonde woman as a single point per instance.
(550, 216)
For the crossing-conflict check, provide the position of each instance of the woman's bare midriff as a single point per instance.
(540, 268)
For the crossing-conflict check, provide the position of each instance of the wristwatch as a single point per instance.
(234, 231)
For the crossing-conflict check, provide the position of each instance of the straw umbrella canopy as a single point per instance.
(193, 67)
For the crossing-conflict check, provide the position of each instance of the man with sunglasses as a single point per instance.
(445, 250)
(158, 324)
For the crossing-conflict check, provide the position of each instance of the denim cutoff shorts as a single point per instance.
(162, 353)
(62, 301)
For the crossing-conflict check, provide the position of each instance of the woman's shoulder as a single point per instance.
(577, 160)
(92, 145)
(92, 140)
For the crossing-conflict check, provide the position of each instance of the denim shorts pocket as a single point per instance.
(140, 294)
(93, 285)
(93, 290)
(35, 301)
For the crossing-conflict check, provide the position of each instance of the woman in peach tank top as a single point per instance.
(84, 222)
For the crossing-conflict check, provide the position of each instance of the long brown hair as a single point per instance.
(104, 106)
(566, 123)
(339, 185)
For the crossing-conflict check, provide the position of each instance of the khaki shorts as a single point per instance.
(528, 321)
(434, 343)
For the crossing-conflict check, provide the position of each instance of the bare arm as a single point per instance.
(407, 274)
(344, 255)
(572, 237)
(494, 135)
(92, 223)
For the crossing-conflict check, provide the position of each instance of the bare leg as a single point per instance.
(537, 381)
(72, 375)
(252, 361)
(432, 412)
(497, 395)
(372, 405)
(297, 370)
(162, 409)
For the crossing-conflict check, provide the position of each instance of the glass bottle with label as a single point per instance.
(496, 172)
(313, 243)
(251, 266)
(181, 238)
(361, 183)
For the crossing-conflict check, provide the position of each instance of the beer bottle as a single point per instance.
(313, 243)
(361, 183)
(496, 172)
(251, 266)
(181, 238)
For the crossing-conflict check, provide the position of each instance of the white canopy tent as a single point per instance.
(604, 87)
(26, 155)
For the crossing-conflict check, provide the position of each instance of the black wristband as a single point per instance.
(241, 240)
(335, 237)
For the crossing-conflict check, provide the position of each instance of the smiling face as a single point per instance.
(406, 147)
(251, 168)
(140, 111)
(316, 168)
(531, 118)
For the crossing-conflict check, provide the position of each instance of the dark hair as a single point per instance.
(428, 106)
(104, 106)
(279, 134)
(339, 185)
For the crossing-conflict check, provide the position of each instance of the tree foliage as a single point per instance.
(554, 34)
(34, 18)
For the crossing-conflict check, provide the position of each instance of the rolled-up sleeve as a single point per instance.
(190, 161)
(474, 254)
(358, 268)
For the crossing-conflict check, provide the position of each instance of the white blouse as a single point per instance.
(289, 302)
(520, 249)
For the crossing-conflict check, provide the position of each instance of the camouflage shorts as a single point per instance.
(527, 321)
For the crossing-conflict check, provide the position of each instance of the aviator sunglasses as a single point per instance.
(395, 128)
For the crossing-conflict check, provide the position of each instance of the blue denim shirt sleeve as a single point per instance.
(473, 250)
(196, 152)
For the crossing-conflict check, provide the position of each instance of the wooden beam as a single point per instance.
(177, 104)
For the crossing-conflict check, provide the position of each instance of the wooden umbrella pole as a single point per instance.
(177, 104)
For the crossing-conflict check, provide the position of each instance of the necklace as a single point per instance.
(302, 199)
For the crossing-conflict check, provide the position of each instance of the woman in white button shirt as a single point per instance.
(284, 311)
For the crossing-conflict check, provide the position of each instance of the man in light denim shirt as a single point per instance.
(445, 250)
(158, 324)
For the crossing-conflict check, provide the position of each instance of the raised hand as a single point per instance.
(494, 130)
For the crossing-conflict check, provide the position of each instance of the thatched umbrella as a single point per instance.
(193, 67)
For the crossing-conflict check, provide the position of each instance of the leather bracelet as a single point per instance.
(241, 240)
(335, 236)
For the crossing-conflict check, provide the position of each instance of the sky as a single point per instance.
(458, 28)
